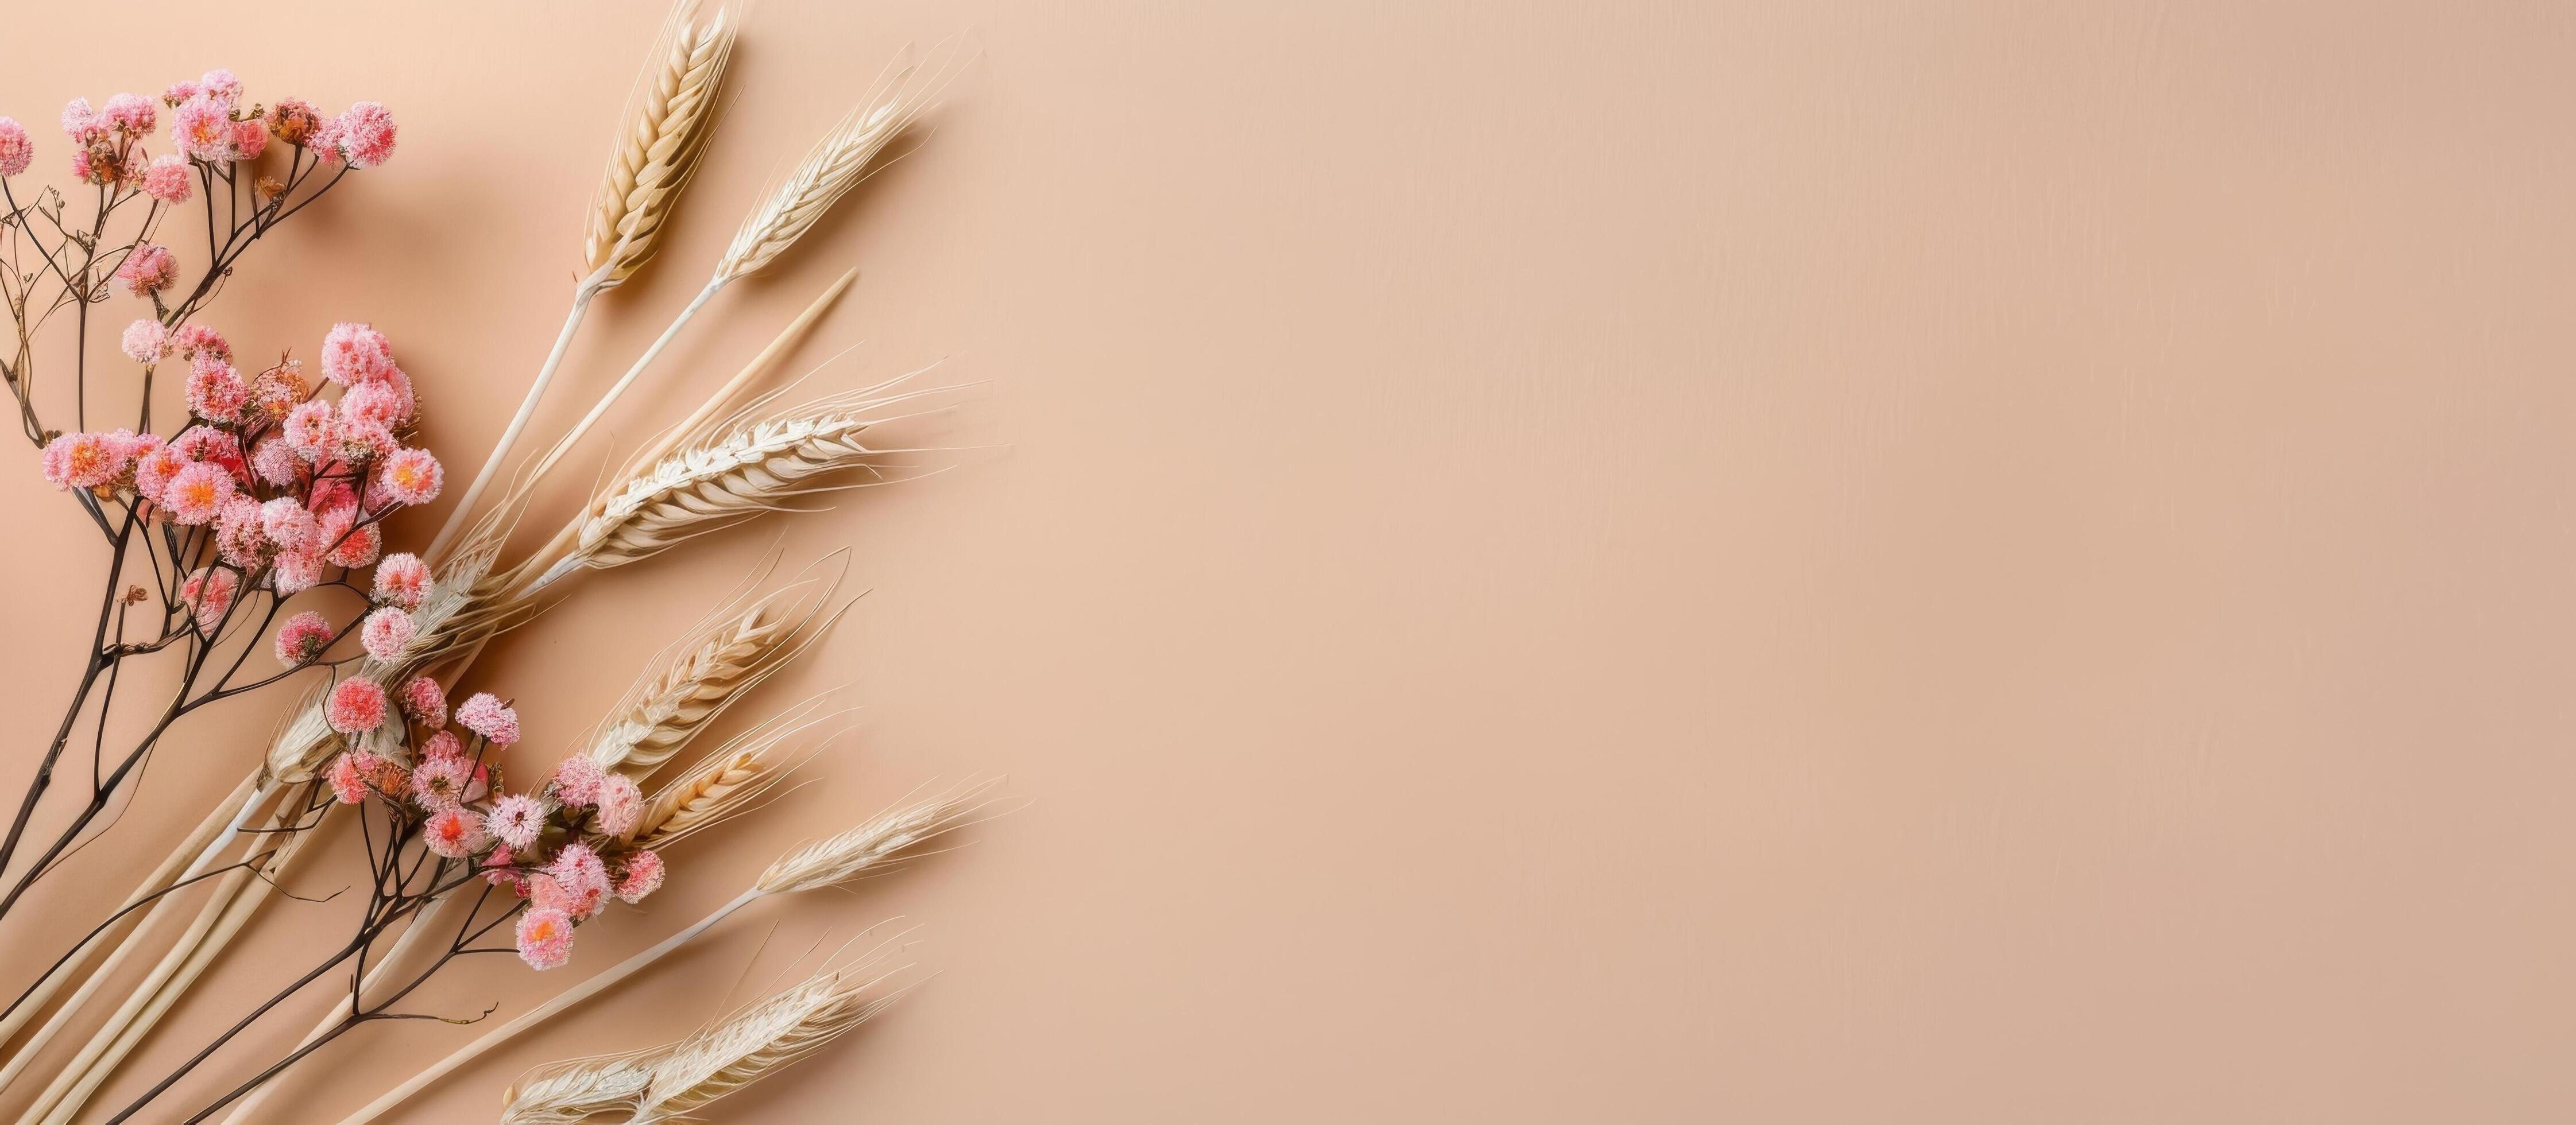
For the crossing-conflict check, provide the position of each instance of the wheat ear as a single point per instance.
(839, 160)
(860, 851)
(655, 156)
(765, 1039)
(577, 1090)
(675, 699)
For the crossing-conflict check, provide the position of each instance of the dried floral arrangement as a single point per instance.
(247, 548)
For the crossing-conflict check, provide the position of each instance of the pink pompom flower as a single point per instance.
(484, 714)
(238, 534)
(402, 580)
(439, 782)
(221, 85)
(210, 591)
(386, 632)
(145, 341)
(380, 401)
(362, 441)
(424, 701)
(216, 392)
(576, 783)
(82, 460)
(516, 820)
(250, 138)
(81, 123)
(166, 179)
(349, 775)
(189, 341)
(413, 476)
(582, 877)
(364, 134)
(443, 744)
(453, 832)
(16, 151)
(355, 353)
(621, 806)
(545, 938)
(357, 547)
(202, 128)
(641, 876)
(303, 639)
(197, 492)
(288, 524)
(356, 707)
(293, 120)
(294, 572)
(131, 114)
(153, 469)
(313, 430)
(147, 269)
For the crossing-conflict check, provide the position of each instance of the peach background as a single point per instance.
(1789, 562)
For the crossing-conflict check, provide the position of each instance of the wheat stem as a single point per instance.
(509, 436)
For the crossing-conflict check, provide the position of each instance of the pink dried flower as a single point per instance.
(357, 547)
(196, 493)
(145, 341)
(381, 402)
(82, 460)
(439, 781)
(313, 430)
(362, 441)
(204, 444)
(355, 353)
(81, 123)
(294, 572)
(424, 701)
(202, 128)
(443, 744)
(581, 876)
(210, 590)
(189, 341)
(147, 269)
(545, 938)
(386, 632)
(130, 114)
(365, 135)
(293, 120)
(166, 179)
(238, 534)
(277, 391)
(484, 714)
(516, 820)
(642, 876)
(220, 84)
(452, 832)
(250, 138)
(16, 151)
(577, 781)
(275, 462)
(154, 468)
(356, 707)
(403, 580)
(621, 805)
(349, 775)
(303, 639)
(178, 92)
(216, 392)
(288, 524)
(413, 476)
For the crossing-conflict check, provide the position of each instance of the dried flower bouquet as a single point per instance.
(274, 487)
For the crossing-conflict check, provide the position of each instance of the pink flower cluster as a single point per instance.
(208, 125)
(289, 483)
(566, 848)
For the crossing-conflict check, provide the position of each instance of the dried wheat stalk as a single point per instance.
(769, 1037)
(675, 700)
(838, 161)
(657, 151)
(755, 467)
(578, 1090)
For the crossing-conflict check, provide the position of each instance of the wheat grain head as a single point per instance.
(875, 844)
(709, 670)
(658, 148)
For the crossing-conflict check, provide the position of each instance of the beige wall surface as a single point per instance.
(1988, 562)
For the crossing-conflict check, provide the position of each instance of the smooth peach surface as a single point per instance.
(1537, 562)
